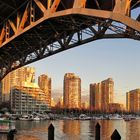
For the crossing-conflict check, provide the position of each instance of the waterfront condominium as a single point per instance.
(133, 101)
(72, 91)
(107, 88)
(101, 95)
(18, 77)
(25, 95)
(44, 83)
(95, 97)
(28, 99)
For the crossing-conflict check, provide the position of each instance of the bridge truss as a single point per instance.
(34, 29)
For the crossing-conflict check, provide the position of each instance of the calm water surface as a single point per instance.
(77, 130)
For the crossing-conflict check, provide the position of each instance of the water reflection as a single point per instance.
(30, 130)
(133, 130)
(2, 137)
(106, 129)
(92, 125)
(71, 127)
(77, 130)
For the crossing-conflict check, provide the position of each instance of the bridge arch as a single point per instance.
(40, 28)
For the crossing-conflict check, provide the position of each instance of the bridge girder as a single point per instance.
(41, 28)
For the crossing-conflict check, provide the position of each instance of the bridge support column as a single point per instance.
(122, 7)
(49, 3)
(79, 4)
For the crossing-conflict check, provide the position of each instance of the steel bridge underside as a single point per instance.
(37, 30)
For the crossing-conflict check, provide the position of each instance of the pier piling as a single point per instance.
(115, 135)
(10, 135)
(97, 131)
(51, 132)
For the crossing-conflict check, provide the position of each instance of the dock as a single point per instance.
(6, 126)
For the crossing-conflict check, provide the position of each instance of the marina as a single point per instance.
(82, 116)
(68, 127)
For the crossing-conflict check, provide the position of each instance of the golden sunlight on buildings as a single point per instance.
(133, 101)
(19, 77)
(24, 94)
(101, 95)
(44, 83)
(25, 100)
(72, 91)
(53, 103)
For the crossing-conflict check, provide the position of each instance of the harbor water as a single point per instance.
(76, 129)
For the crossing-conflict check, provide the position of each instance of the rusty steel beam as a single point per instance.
(41, 28)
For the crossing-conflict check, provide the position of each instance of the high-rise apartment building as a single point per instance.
(101, 95)
(19, 77)
(95, 97)
(107, 88)
(133, 101)
(72, 91)
(128, 101)
(92, 96)
(44, 83)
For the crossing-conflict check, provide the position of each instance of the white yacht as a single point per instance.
(115, 117)
(84, 117)
(36, 118)
(24, 118)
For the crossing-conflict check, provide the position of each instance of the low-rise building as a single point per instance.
(26, 100)
(115, 107)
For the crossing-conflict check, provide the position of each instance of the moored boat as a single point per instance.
(84, 117)
(24, 118)
(129, 117)
(36, 118)
(115, 117)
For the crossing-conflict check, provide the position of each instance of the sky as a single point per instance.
(94, 62)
